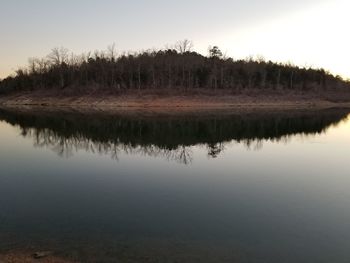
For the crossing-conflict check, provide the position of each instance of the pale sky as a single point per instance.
(304, 32)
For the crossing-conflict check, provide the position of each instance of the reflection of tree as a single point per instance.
(215, 149)
(170, 137)
(65, 147)
(183, 155)
(257, 144)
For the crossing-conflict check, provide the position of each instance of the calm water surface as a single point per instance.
(142, 187)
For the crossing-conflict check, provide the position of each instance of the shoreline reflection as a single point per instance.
(167, 136)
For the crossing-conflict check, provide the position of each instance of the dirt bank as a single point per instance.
(27, 257)
(180, 102)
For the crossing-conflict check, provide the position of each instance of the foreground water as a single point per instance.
(142, 187)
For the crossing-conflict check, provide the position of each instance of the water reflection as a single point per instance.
(164, 135)
(280, 204)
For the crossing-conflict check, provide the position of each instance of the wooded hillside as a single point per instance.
(177, 68)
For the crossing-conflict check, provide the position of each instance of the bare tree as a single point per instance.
(112, 55)
(184, 46)
(112, 52)
(58, 57)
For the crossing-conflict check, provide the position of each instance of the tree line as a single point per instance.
(175, 68)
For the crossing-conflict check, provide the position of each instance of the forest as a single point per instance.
(178, 68)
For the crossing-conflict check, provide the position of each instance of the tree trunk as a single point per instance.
(278, 79)
(169, 71)
(139, 77)
(222, 77)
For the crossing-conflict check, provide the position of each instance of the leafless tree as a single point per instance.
(58, 57)
(184, 46)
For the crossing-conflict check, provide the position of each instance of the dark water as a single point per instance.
(142, 187)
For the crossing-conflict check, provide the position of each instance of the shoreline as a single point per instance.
(28, 257)
(176, 102)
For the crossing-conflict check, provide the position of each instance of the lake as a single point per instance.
(239, 186)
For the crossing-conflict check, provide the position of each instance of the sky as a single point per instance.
(304, 32)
